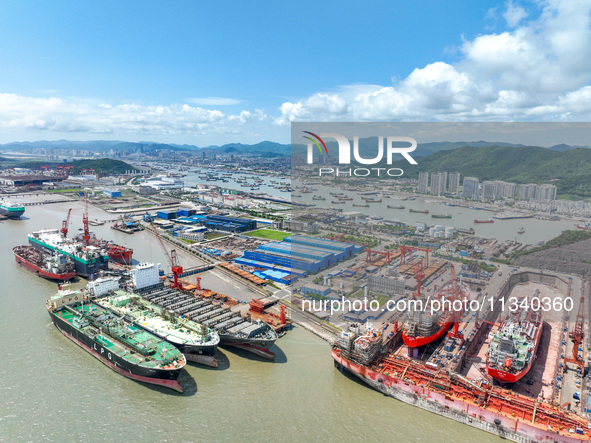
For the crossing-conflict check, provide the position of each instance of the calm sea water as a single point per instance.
(51, 390)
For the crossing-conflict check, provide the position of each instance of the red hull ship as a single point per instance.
(484, 221)
(120, 254)
(44, 265)
(513, 346)
(492, 409)
(418, 341)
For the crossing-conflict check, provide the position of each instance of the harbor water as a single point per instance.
(52, 390)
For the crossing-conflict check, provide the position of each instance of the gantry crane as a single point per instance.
(172, 258)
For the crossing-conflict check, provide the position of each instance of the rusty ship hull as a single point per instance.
(508, 415)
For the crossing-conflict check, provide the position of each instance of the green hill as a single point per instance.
(568, 170)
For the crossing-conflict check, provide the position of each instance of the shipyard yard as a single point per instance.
(225, 271)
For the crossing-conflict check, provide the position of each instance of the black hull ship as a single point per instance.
(124, 347)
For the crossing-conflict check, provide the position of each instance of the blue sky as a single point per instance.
(218, 72)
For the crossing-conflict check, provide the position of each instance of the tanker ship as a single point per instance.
(513, 345)
(126, 348)
(515, 417)
(87, 259)
(11, 210)
(51, 267)
(197, 342)
(233, 329)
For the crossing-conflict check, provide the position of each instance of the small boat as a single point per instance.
(521, 230)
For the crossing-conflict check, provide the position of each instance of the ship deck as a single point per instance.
(162, 358)
(497, 400)
(148, 315)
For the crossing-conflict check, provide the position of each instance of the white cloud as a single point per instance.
(539, 69)
(514, 14)
(75, 115)
(213, 101)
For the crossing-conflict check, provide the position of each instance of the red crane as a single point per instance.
(455, 294)
(86, 235)
(405, 249)
(387, 254)
(44, 168)
(172, 258)
(65, 224)
(577, 335)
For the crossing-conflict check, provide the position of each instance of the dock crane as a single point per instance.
(172, 258)
(577, 335)
(66, 224)
(86, 235)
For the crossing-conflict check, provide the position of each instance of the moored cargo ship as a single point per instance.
(52, 267)
(513, 345)
(233, 329)
(197, 342)
(492, 409)
(11, 210)
(87, 259)
(124, 347)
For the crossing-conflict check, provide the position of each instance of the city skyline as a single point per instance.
(201, 75)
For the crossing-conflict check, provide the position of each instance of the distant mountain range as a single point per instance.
(265, 148)
(103, 146)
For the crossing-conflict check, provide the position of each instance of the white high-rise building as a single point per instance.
(490, 190)
(506, 190)
(454, 182)
(423, 182)
(470, 188)
(526, 192)
(438, 180)
(546, 192)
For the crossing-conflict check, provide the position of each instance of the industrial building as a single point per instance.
(192, 234)
(229, 224)
(303, 253)
(386, 284)
(313, 289)
(112, 193)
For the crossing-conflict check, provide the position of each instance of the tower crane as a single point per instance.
(172, 258)
(577, 335)
(66, 224)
